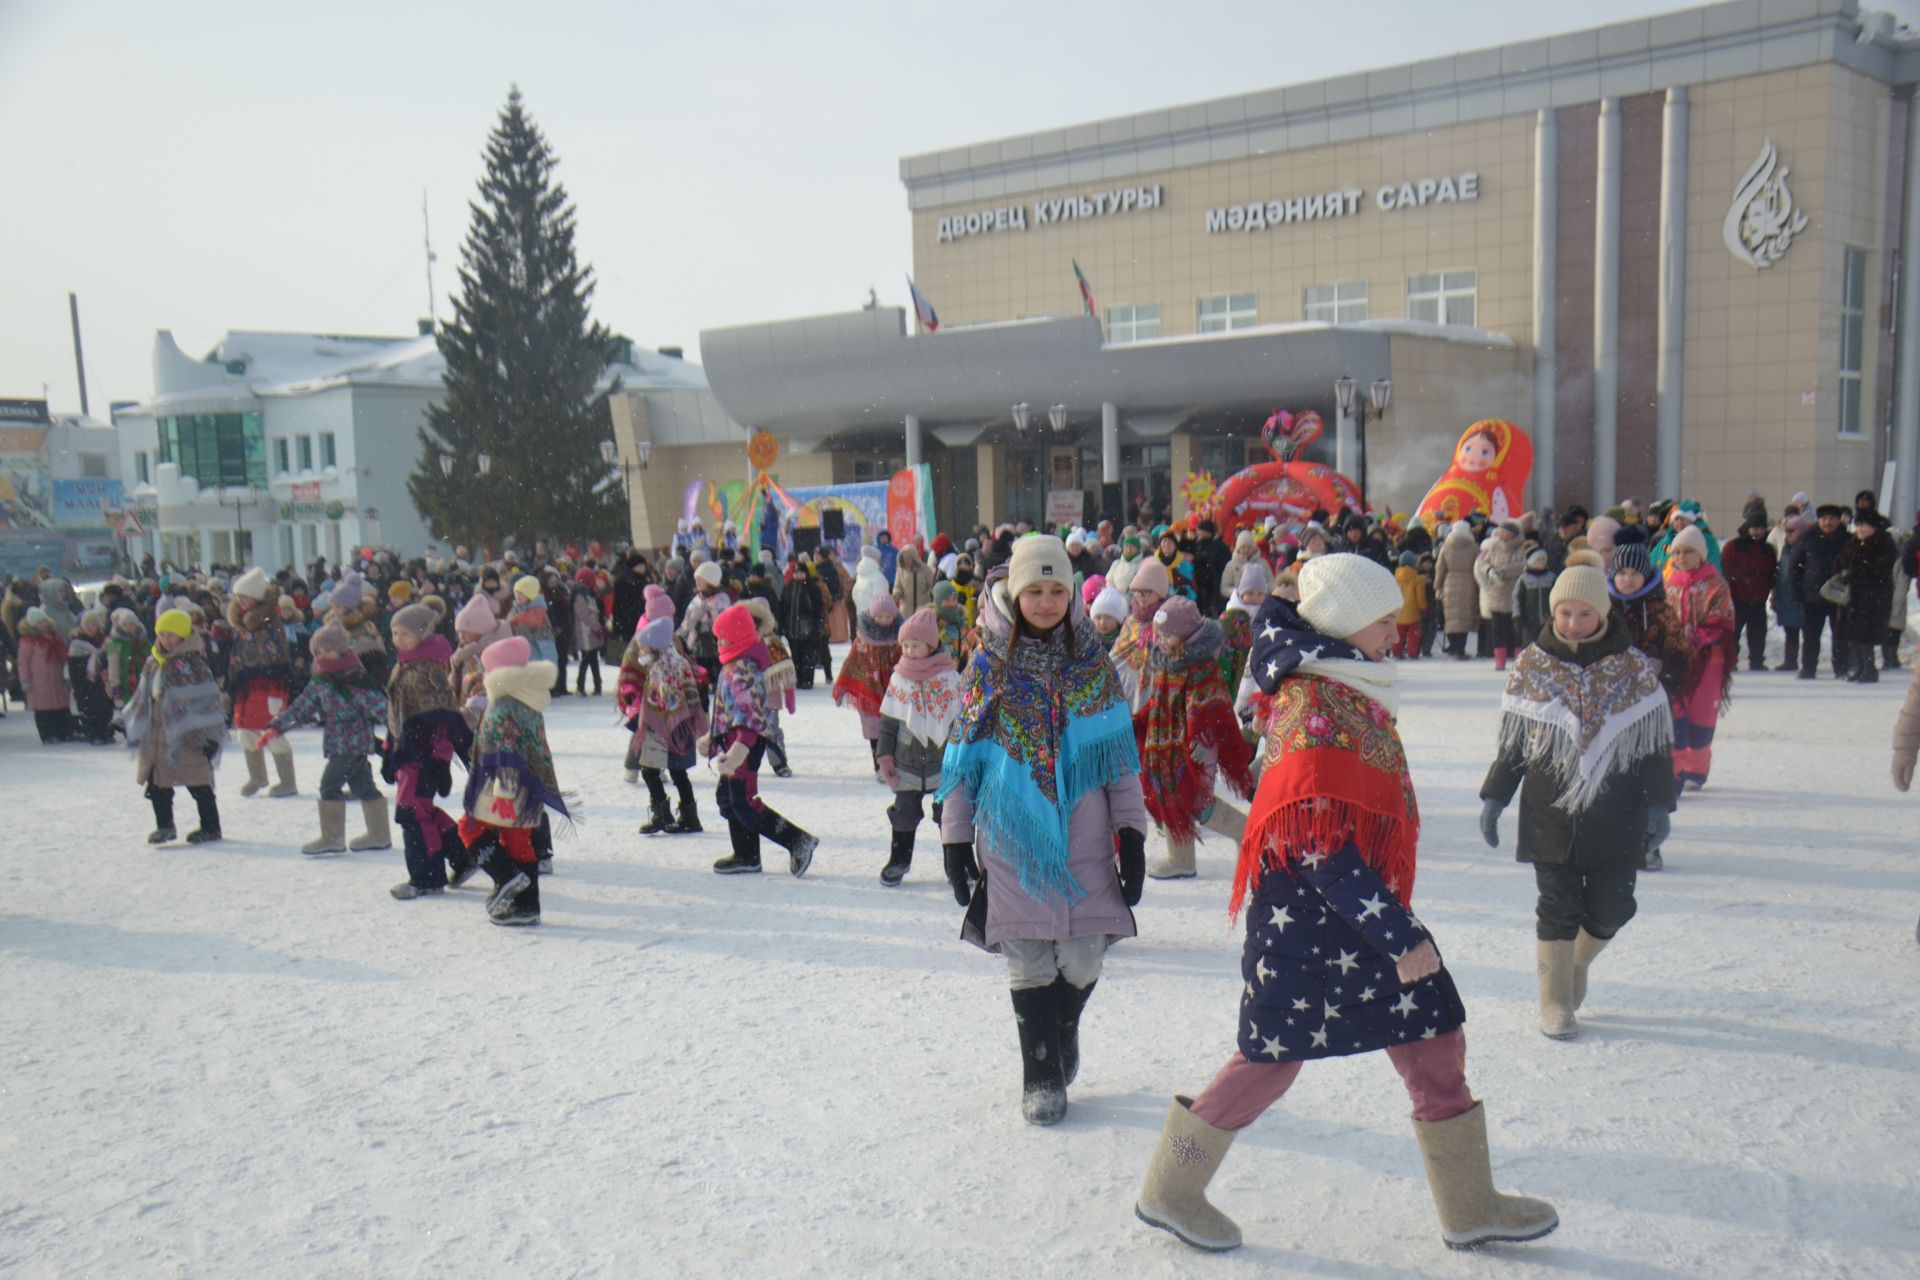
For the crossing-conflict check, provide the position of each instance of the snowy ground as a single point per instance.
(233, 1061)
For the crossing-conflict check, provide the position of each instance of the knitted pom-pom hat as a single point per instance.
(1342, 595)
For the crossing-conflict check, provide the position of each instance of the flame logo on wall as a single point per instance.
(1762, 222)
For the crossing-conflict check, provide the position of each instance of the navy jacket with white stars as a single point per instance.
(1322, 938)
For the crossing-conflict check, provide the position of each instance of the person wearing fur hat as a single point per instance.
(1147, 590)
(43, 676)
(1703, 610)
(511, 785)
(1335, 963)
(660, 702)
(868, 668)
(86, 674)
(349, 707)
(259, 679)
(1043, 821)
(1459, 592)
(923, 696)
(912, 582)
(736, 740)
(426, 731)
(1187, 733)
(177, 723)
(1586, 739)
(530, 620)
(1868, 562)
(125, 653)
(1497, 572)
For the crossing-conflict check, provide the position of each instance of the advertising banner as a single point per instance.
(26, 479)
(83, 504)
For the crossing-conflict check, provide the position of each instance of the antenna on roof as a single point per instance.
(426, 228)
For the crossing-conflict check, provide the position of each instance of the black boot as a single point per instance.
(688, 823)
(798, 844)
(1043, 1095)
(1071, 1001)
(745, 858)
(209, 808)
(516, 894)
(426, 873)
(1865, 669)
(1890, 652)
(162, 801)
(900, 861)
(662, 816)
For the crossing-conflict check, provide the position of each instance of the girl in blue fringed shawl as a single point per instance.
(1044, 823)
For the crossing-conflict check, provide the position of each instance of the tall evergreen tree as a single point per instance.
(523, 355)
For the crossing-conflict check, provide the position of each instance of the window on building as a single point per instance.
(1226, 311)
(1134, 323)
(1344, 302)
(1222, 456)
(141, 471)
(93, 466)
(327, 455)
(1443, 297)
(216, 449)
(282, 453)
(306, 453)
(1853, 338)
(869, 469)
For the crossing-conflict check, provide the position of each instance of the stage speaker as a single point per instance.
(806, 541)
(833, 525)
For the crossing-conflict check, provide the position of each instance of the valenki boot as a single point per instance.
(374, 813)
(283, 773)
(1177, 865)
(1585, 948)
(899, 860)
(1460, 1175)
(1043, 1092)
(333, 830)
(1070, 1003)
(1174, 1196)
(1555, 963)
(1499, 659)
(256, 771)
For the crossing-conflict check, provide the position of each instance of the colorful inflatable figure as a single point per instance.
(1286, 489)
(1490, 468)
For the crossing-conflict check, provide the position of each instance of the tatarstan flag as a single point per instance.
(1086, 293)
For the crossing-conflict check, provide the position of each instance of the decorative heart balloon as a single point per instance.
(1288, 435)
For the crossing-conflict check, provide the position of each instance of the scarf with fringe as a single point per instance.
(868, 667)
(1334, 771)
(178, 698)
(1187, 732)
(668, 707)
(924, 696)
(1037, 730)
(1584, 723)
(512, 777)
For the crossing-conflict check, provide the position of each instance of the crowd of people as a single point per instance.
(1050, 702)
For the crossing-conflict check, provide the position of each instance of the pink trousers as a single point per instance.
(1434, 1071)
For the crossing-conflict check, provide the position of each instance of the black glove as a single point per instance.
(1133, 865)
(1490, 820)
(962, 871)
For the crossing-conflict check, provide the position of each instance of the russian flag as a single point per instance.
(923, 311)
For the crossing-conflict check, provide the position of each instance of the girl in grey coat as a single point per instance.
(922, 698)
(1042, 774)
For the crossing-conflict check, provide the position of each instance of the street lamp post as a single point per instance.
(1379, 397)
(483, 463)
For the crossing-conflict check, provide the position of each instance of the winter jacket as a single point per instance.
(1788, 608)
(1749, 566)
(1816, 557)
(1870, 564)
(1611, 832)
(43, 671)
(1498, 574)
(589, 632)
(174, 718)
(1209, 560)
(916, 761)
(1413, 595)
(1453, 580)
(912, 582)
(347, 710)
(1536, 604)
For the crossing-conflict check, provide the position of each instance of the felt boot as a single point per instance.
(1554, 960)
(162, 802)
(1460, 1174)
(899, 861)
(374, 813)
(283, 776)
(1070, 1003)
(798, 844)
(209, 810)
(1043, 1093)
(1177, 865)
(1585, 948)
(1174, 1196)
(745, 858)
(256, 771)
(1499, 659)
(333, 830)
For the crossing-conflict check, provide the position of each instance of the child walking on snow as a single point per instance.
(736, 739)
(1334, 962)
(781, 682)
(869, 667)
(1044, 823)
(1586, 739)
(259, 679)
(343, 700)
(85, 673)
(177, 722)
(425, 731)
(661, 701)
(922, 699)
(1187, 732)
(512, 784)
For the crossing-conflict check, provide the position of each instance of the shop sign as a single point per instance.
(83, 504)
(1014, 217)
(1346, 202)
(1065, 506)
(305, 503)
(34, 411)
(1762, 221)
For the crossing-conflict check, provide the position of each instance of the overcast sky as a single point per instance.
(259, 165)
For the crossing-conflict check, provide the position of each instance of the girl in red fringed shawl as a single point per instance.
(736, 741)
(1703, 606)
(1335, 962)
(869, 667)
(1187, 732)
(426, 730)
(660, 699)
(512, 783)
(1041, 771)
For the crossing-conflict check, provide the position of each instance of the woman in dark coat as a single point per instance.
(1868, 559)
(805, 623)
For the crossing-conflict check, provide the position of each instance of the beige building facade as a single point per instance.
(1668, 248)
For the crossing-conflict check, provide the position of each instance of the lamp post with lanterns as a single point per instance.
(1360, 411)
(483, 463)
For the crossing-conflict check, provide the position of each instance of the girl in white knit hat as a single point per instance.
(1335, 962)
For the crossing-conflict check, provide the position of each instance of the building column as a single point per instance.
(1346, 440)
(913, 439)
(1906, 390)
(1669, 367)
(1546, 295)
(206, 548)
(1180, 461)
(1112, 502)
(986, 483)
(1606, 309)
